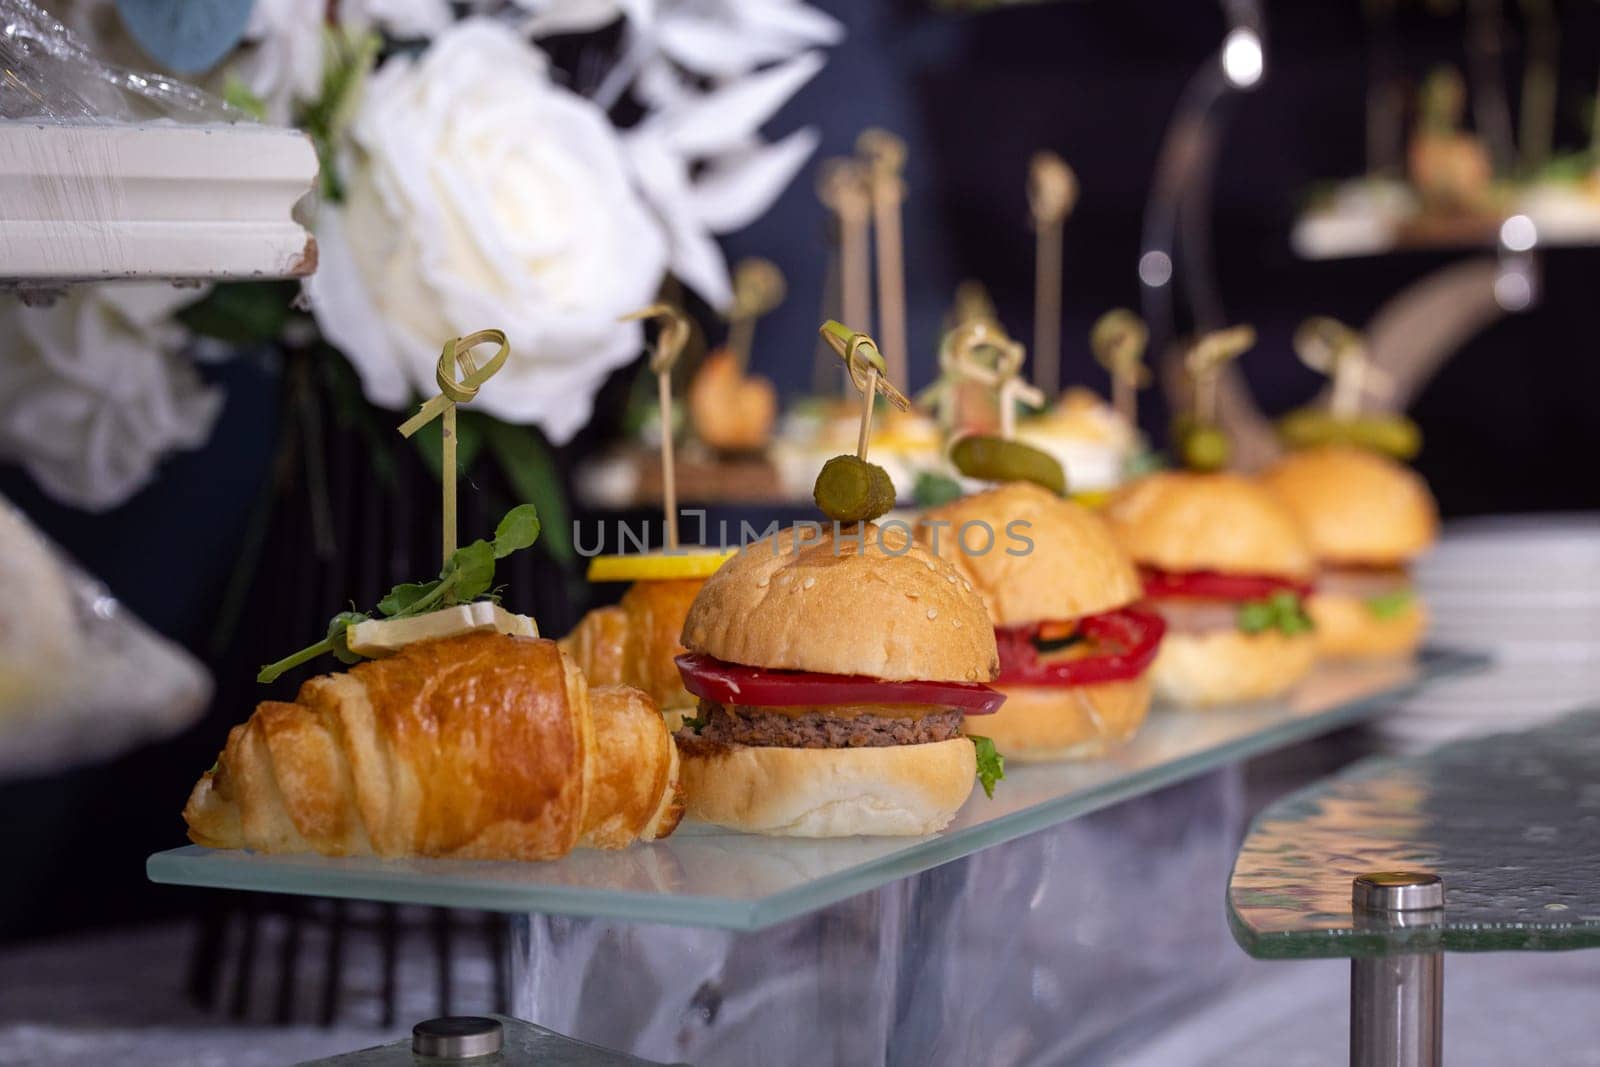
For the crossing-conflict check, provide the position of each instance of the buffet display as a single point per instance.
(858, 675)
(1454, 192)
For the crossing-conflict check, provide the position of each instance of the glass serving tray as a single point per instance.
(703, 876)
(1509, 822)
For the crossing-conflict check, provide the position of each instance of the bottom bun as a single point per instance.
(1346, 629)
(1040, 724)
(890, 791)
(1230, 667)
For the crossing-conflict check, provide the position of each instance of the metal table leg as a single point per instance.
(1397, 1002)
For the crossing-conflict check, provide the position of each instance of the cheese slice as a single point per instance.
(384, 637)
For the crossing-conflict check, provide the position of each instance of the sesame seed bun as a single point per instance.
(1181, 521)
(1356, 506)
(867, 600)
(1073, 567)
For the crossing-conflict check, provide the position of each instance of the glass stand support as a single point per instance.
(1048, 949)
(1397, 1002)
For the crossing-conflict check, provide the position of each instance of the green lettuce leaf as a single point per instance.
(991, 765)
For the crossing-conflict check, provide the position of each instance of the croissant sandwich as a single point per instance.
(634, 642)
(479, 746)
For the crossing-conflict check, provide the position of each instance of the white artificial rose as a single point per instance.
(285, 47)
(99, 391)
(478, 193)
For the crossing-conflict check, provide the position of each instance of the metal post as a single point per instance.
(1397, 1002)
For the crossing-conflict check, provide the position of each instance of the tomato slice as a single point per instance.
(733, 683)
(1132, 637)
(1209, 585)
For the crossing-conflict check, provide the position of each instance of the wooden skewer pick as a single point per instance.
(671, 338)
(1118, 339)
(1205, 361)
(843, 188)
(960, 361)
(885, 156)
(1052, 194)
(867, 371)
(758, 287)
(457, 353)
(1329, 347)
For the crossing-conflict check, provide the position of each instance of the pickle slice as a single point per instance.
(659, 566)
(849, 489)
(1204, 449)
(995, 459)
(1391, 434)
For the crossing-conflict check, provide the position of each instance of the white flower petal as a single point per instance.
(736, 189)
(108, 394)
(695, 257)
(348, 318)
(483, 194)
(800, 23)
(550, 17)
(718, 48)
(719, 120)
(406, 19)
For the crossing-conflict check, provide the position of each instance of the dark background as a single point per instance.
(1507, 424)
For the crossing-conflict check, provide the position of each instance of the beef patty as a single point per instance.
(815, 728)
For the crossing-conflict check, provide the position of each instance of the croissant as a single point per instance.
(634, 642)
(479, 746)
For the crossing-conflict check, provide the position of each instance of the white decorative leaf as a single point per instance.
(405, 19)
(347, 316)
(719, 48)
(738, 188)
(550, 17)
(661, 85)
(693, 254)
(800, 23)
(717, 121)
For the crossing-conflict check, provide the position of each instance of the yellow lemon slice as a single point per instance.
(659, 566)
(1093, 499)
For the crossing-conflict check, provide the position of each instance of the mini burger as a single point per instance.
(1075, 653)
(1227, 567)
(834, 672)
(1368, 517)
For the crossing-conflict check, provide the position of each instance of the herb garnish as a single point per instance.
(467, 575)
(1387, 606)
(991, 765)
(1281, 611)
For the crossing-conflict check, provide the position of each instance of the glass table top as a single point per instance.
(703, 876)
(1509, 822)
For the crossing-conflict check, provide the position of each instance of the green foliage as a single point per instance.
(242, 313)
(238, 94)
(350, 57)
(531, 470)
(991, 765)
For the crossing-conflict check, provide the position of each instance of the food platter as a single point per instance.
(703, 876)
